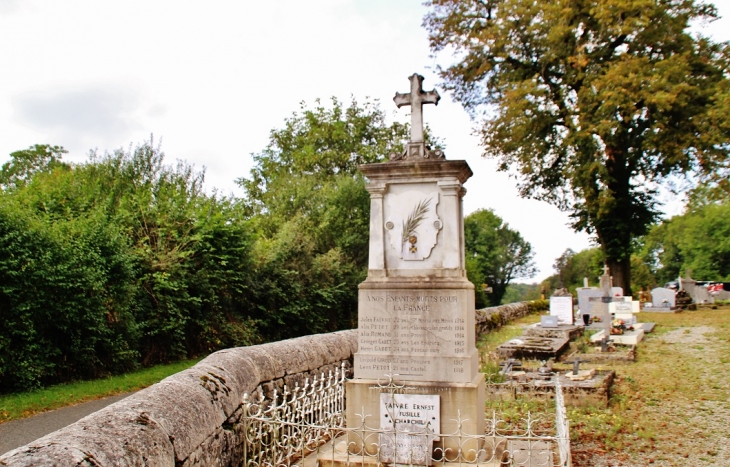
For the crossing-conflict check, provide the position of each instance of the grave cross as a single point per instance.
(416, 98)
(576, 364)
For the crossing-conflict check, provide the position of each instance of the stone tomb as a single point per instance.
(416, 315)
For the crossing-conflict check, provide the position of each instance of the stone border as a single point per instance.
(189, 418)
(488, 319)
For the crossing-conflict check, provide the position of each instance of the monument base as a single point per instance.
(460, 402)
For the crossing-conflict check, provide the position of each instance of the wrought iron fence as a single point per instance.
(309, 421)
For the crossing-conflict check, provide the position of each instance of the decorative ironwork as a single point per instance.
(310, 421)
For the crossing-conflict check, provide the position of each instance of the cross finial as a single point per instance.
(416, 98)
(605, 269)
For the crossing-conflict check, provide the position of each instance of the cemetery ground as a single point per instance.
(671, 407)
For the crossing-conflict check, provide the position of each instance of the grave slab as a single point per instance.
(627, 338)
(646, 327)
(533, 348)
(569, 331)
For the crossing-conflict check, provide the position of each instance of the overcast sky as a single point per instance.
(211, 79)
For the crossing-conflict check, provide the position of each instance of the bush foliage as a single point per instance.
(114, 263)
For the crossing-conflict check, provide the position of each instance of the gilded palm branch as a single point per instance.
(415, 218)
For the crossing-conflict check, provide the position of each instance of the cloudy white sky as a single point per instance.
(211, 79)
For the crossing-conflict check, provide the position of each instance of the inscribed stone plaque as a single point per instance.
(621, 307)
(549, 321)
(420, 335)
(562, 308)
(413, 419)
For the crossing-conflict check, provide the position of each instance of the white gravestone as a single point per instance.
(663, 298)
(617, 292)
(562, 308)
(411, 423)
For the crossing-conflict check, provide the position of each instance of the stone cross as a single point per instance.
(416, 98)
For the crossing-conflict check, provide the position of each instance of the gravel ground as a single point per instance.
(697, 430)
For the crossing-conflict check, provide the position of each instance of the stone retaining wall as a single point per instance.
(495, 317)
(189, 418)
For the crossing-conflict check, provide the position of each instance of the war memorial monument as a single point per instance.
(416, 307)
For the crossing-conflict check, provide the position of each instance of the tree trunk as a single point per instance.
(621, 272)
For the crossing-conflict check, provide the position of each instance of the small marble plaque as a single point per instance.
(414, 421)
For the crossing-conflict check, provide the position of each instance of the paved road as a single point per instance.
(19, 432)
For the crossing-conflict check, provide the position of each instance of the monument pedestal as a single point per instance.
(464, 400)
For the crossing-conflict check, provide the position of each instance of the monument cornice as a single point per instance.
(437, 169)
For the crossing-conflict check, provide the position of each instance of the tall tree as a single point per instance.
(594, 103)
(24, 164)
(496, 255)
(312, 211)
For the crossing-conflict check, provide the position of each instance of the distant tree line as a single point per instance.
(125, 260)
(697, 240)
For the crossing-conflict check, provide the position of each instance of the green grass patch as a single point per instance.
(21, 405)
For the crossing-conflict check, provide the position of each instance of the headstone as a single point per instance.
(662, 299)
(561, 306)
(600, 308)
(416, 306)
(617, 292)
(585, 305)
(702, 295)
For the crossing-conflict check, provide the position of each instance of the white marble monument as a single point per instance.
(416, 307)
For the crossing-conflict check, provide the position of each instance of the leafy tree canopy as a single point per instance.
(495, 255)
(23, 165)
(698, 240)
(591, 103)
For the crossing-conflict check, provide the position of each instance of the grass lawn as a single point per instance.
(21, 405)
